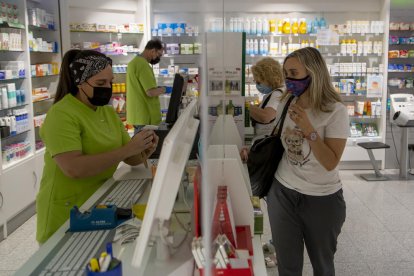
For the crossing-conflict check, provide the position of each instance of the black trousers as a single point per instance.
(297, 220)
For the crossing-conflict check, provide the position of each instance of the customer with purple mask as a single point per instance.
(305, 203)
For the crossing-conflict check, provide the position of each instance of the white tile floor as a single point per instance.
(377, 237)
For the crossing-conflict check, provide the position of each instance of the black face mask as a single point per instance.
(155, 60)
(101, 95)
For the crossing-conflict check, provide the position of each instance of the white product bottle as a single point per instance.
(379, 48)
(247, 26)
(253, 26)
(13, 129)
(378, 108)
(256, 47)
(360, 47)
(231, 25)
(266, 47)
(261, 47)
(251, 47)
(259, 26)
(4, 100)
(240, 25)
(284, 49)
(265, 28)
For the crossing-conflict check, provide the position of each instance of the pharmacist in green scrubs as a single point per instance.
(143, 105)
(85, 139)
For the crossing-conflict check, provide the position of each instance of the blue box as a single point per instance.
(96, 219)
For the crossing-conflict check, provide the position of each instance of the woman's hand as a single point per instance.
(141, 141)
(300, 118)
(150, 150)
(244, 154)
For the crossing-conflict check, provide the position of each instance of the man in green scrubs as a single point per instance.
(142, 105)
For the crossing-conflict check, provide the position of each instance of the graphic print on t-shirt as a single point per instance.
(294, 139)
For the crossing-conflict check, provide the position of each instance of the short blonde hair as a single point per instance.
(322, 94)
(270, 71)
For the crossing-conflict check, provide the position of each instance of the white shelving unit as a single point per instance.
(20, 177)
(399, 14)
(109, 13)
(336, 13)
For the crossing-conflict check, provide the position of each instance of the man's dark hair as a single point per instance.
(154, 44)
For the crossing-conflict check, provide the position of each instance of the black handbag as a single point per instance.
(264, 157)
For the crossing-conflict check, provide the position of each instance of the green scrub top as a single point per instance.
(140, 108)
(70, 125)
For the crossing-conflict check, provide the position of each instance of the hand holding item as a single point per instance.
(150, 151)
(244, 154)
(141, 141)
(300, 118)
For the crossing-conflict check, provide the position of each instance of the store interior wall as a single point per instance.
(401, 11)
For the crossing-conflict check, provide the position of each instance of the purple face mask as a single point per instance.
(297, 86)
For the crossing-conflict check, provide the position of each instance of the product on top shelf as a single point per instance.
(110, 28)
(9, 13)
(41, 18)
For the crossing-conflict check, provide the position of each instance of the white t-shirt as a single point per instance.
(298, 169)
(265, 129)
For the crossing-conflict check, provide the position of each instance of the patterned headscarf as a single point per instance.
(87, 66)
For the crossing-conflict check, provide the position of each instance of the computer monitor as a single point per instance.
(179, 89)
(174, 155)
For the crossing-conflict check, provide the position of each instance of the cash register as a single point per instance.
(178, 90)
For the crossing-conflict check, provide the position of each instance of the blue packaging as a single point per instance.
(96, 219)
(2, 74)
(400, 67)
(116, 271)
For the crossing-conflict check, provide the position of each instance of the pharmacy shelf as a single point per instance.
(176, 35)
(17, 134)
(353, 141)
(39, 28)
(11, 165)
(337, 55)
(38, 77)
(44, 100)
(364, 117)
(13, 79)
(402, 31)
(17, 106)
(180, 55)
(11, 51)
(11, 25)
(101, 32)
(41, 151)
(409, 58)
(43, 52)
(310, 35)
(401, 72)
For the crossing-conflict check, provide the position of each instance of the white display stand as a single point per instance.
(224, 132)
(228, 172)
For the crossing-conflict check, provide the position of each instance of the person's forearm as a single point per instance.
(324, 154)
(154, 92)
(87, 165)
(134, 160)
(260, 115)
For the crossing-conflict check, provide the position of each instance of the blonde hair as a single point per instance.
(322, 94)
(270, 71)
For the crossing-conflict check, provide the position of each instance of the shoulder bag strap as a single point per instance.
(282, 117)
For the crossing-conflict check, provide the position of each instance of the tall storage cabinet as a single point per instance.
(36, 62)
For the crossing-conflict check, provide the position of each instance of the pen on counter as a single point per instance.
(106, 263)
(102, 258)
(109, 249)
(144, 158)
(94, 265)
